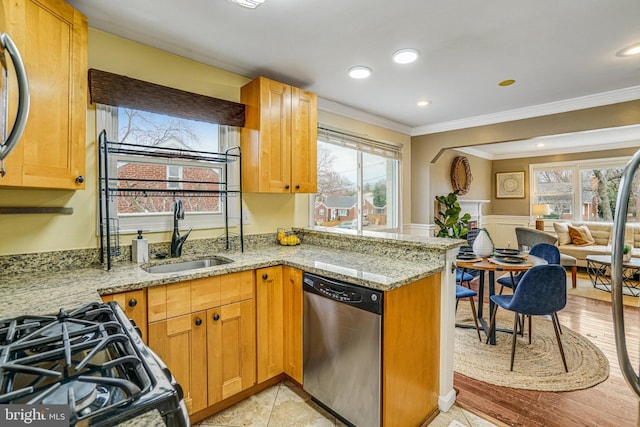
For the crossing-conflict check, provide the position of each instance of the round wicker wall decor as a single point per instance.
(461, 175)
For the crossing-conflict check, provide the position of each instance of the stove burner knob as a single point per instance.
(216, 317)
(198, 321)
(133, 302)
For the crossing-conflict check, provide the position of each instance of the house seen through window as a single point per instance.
(587, 191)
(357, 183)
(154, 212)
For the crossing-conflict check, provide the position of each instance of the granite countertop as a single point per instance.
(373, 260)
(45, 293)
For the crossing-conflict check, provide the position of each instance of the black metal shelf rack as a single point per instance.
(109, 187)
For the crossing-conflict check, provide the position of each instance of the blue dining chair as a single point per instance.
(542, 291)
(462, 292)
(547, 252)
(463, 276)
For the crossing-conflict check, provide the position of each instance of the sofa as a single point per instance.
(601, 234)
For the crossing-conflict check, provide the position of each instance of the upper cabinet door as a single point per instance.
(279, 138)
(304, 141)
(52, 39)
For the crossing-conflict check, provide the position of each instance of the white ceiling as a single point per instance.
(561, 53)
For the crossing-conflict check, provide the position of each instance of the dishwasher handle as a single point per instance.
(346, 293)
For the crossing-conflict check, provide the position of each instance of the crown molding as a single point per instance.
(582, 102)
(352, 113)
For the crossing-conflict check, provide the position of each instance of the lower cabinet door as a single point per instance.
(134, 304)
(181, 342)
(269, 300)
(231, 349)
(292, 316)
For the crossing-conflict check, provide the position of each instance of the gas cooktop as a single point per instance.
(90, 359)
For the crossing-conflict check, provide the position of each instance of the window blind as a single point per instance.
(366, 145)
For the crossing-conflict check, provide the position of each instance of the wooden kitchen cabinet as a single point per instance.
(279, 322)
(134, 304)
(279, 139)
(292, 322)
(52, 39)
(231, 350)
(181, 342)
(411, 353)
(204, 329)
(269, 307)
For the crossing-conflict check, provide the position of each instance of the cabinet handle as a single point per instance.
(286, 187)
(198, 321)
(216, 317)
(265, 276)
(133, 302)
(80, 179)
(297, 186)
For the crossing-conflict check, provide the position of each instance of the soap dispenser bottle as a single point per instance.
(140, 249)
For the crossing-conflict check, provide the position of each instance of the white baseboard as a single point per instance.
(446, 402)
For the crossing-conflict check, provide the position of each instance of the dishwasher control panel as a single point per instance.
(357, 296)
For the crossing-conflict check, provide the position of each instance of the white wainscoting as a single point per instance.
(502, 228)
(427, 230)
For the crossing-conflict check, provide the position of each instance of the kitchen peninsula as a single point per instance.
(419, 300)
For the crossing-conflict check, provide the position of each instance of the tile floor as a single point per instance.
(286, 405)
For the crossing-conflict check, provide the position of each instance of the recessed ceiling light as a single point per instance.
(251, 4)
(423, 103)
(540, 144)
(405, 56)
(507, 82)
(634, 49)
(359, 72)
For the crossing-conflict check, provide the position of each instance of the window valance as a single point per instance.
(122, 91)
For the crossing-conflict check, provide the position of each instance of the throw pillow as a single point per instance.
(581, 236)
(562, 230)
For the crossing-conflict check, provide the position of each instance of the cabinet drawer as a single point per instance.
(167, 301)
(205, 293)
(178, 299)
(236, 287)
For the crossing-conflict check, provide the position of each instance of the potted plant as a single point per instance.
(448, 218)
(626, 253)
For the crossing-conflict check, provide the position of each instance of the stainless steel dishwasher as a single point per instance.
(342, 336)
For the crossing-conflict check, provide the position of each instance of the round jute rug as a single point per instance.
(537, 366)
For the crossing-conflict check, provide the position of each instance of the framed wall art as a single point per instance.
(510, 185)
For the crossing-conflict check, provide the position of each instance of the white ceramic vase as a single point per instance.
(483, 246)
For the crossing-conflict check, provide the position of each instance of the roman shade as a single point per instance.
(122, 91)
(378, 148)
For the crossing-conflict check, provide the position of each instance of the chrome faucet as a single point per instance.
(176, 239)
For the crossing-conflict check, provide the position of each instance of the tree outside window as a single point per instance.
(157, 130)
(357, 188)
(584, 192)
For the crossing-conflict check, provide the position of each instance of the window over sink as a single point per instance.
(155, 213)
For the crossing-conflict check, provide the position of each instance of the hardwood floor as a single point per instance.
(610, 403)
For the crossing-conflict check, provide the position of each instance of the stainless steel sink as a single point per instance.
(187, 265)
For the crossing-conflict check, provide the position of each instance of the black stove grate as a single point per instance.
(84, 358)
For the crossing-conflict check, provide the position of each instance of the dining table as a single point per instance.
(492, 265)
